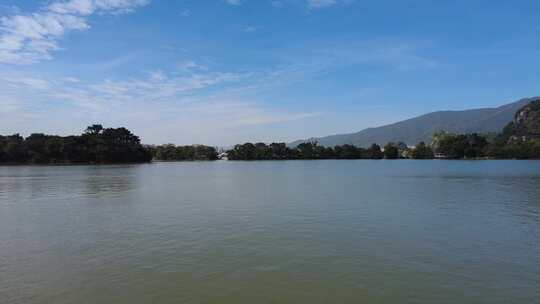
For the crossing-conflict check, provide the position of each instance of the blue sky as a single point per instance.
(221, 72)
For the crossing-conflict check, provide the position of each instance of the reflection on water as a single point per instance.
(272, 232)
(101, 180)
(19, 183)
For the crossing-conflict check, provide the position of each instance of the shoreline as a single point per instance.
(251, 160)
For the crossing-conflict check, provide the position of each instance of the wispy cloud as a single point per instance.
(159, 87)
(32, 37)
(188, 102)
(71, 79)
(242, 112)
(185, 13)
(155, 87)
(113, 62)
(313, 4)
(21, 81)
(277, 3)
(296, 65)
(310, 4)
(200, 103)
(402, 55)
(191, 117)
(233, 2)
(191, 65)
(261, 116)
(250, 29)
(10, 106)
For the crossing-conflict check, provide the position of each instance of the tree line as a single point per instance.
(505, 145)
(170, 152)
(95, 145)
(444, 145)
(520, 139)
(309, 150)
(119, 145)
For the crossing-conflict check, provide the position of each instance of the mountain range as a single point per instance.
(421, 128)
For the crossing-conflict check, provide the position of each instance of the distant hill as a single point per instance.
(415, 130)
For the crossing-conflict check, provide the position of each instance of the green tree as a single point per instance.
(307, 150)
(15, 149)
(373, 152)
(94, 129)
(422, 151)
(391, 151)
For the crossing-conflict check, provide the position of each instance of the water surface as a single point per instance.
(272, 232)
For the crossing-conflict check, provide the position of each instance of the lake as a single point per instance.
(355, 231)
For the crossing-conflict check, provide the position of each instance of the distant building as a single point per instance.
(440, 156)
(405, 153)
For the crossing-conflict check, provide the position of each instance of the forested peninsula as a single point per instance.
(97, 145)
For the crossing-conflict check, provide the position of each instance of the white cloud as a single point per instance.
(158, 87)
(77, 7)
(88, 7)
(29, 38)
(26, 82)
(188, 103)
(201, 105)
(157, 76)
(71, 79)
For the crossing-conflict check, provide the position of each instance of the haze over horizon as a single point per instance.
(221, 72)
